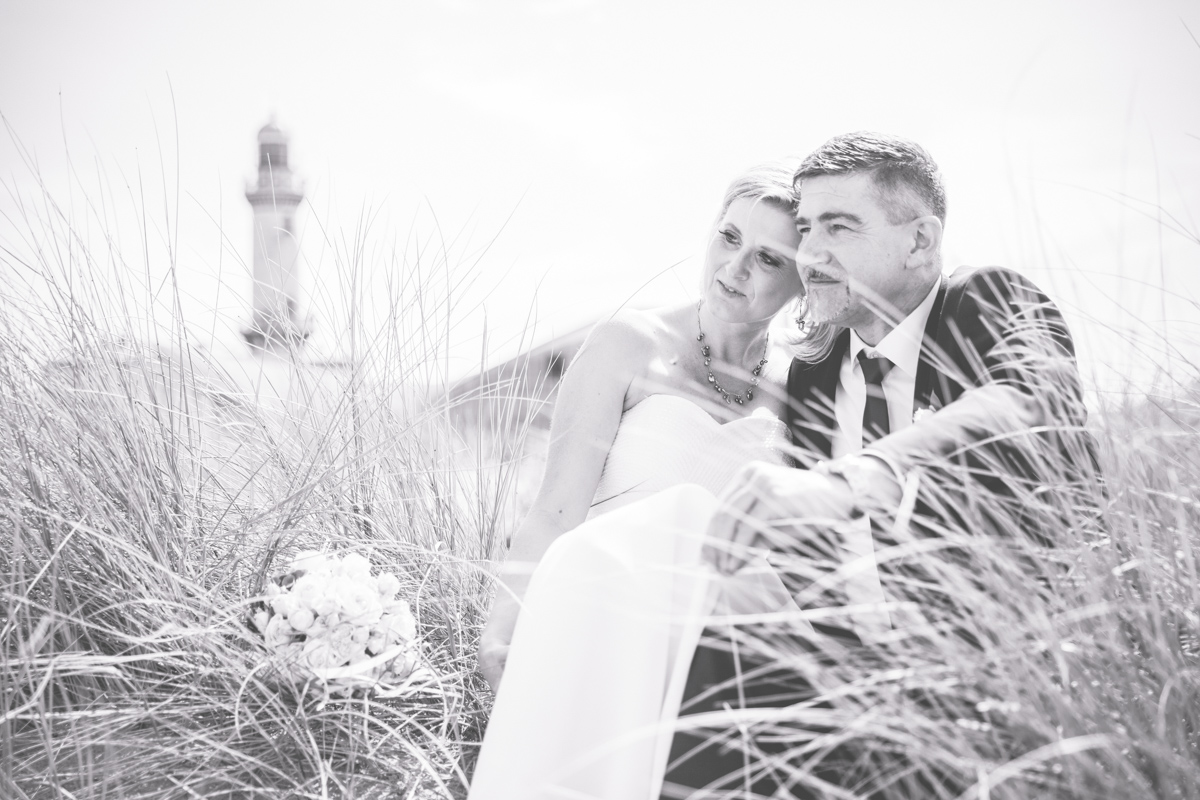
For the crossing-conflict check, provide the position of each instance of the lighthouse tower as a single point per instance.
(275, 319)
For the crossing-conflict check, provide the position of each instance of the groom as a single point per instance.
(982, 359)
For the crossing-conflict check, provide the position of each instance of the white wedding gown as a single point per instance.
(613, 612)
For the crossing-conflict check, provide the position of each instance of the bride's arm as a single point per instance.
(587, 412)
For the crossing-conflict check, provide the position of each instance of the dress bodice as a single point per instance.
(666, 440)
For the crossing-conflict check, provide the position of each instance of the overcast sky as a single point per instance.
(574, 151)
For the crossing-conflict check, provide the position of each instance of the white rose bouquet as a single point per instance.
(331, 619)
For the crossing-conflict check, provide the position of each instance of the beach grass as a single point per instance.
(148, 489)
(1040, 645)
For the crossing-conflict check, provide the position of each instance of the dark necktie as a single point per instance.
(875, 413)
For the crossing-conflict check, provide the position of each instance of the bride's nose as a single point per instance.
(738, 267)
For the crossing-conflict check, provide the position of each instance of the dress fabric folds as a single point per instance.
(600, 654)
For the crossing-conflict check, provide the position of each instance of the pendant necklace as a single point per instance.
(740, 399)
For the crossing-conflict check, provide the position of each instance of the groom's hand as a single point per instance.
(768, 507)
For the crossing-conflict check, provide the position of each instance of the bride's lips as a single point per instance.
(729, 291)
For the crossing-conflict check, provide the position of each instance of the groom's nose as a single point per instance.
(810, 250)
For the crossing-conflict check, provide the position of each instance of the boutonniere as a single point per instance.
(921, 413)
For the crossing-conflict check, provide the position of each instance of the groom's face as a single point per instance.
(851, 257)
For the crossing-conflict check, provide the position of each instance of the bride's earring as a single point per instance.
(803, 324)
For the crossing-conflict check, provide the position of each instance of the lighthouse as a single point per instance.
(275, 317)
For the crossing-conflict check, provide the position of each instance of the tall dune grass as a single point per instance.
(1036, 648)
(147, 491)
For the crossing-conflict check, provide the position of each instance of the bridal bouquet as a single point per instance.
(329, 618)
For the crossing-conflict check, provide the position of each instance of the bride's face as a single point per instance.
(750, 268)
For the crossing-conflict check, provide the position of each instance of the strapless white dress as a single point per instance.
(613, 612)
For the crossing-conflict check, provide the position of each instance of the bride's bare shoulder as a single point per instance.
(634, 332)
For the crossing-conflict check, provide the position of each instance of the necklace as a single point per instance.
(754, 373)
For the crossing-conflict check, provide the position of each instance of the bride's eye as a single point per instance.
(769, 260)
(729, 236)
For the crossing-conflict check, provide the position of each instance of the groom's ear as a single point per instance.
(926, 242)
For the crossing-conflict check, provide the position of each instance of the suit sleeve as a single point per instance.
(1012, 334)
(1003, 334)
(1015, 425)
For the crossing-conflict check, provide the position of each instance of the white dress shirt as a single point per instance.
(901, 346)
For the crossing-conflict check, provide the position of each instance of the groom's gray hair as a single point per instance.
(904, 173)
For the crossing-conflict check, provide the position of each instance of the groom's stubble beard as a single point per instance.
(828, 303)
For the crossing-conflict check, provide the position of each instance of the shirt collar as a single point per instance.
(902, 344)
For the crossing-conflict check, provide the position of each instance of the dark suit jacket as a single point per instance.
(987, 325)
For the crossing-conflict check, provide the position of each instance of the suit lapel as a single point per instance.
(811, 389)
(927, 372)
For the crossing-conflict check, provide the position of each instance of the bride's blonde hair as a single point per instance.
(773, 182)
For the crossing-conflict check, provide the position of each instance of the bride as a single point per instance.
(677, 397)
